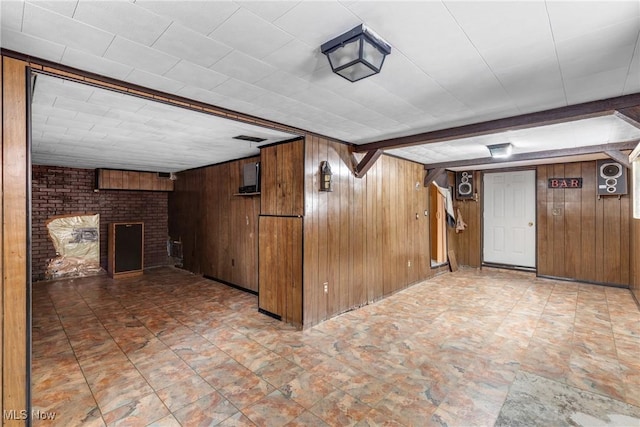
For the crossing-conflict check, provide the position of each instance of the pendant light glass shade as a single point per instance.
(356, 54)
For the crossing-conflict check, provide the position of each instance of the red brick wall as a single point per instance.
(59, 191)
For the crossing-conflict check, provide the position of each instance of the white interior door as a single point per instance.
(509, 218)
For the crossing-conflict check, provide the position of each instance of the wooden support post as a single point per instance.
(14, 281)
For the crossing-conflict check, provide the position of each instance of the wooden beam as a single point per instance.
(630, 115)
(541, 118)
(537, 155)
(360, 169)
(432, 175)
(619, 157)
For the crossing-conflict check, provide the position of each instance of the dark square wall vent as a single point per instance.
(249, 138)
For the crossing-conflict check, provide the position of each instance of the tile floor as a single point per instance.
(487, 347)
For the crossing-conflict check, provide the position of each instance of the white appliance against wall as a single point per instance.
(509, 218)
(612, 178)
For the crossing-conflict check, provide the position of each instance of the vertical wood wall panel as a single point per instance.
(588, 222)
(269, 180)
(635, 259)
(625, 241)
(310, 249)
(589, 238)
(2, 240)
(572, 216)
(280, 267)
(269, 296)
(360, 237)
(467, 244)
(558, 238)
(218, 230)
(283, 179)
(14, 238)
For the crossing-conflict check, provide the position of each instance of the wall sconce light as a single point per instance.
(325, 176)
(500, 150)
(356, 54)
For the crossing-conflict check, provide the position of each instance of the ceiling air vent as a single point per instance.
(249, 138)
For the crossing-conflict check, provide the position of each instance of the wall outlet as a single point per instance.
(326, 287)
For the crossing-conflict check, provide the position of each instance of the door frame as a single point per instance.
(482, 230)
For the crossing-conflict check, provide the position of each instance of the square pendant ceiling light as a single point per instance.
(356, 54)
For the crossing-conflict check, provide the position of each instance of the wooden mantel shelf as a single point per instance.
(247, 194)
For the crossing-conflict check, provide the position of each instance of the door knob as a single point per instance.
(530, 224)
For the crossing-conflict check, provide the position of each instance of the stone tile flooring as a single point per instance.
(488, 347)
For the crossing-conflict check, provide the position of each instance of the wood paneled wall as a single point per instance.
(635, 259)
(467, 244)
(113, 179)
(580, 236)
(14, 281)
(282, 176)
(218, 230)
(280, 267)
(366, 239)
(587, 239)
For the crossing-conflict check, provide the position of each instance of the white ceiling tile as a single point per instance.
(540, 53)
(237, 105)
(193, 46)
(251, 34)
(599, 50)
(200, 16)
(11, 12)
(573, 18)
(377, 99)
(65, 89)
(63, 7)
(240, 90)
(525, 80)
(195, 75)
(154, 81)
(199, 94)
(578, 66)
(43, 98)
(68, 123)
(114, 100)
(74, 105)
(95, 64)
(317, 22)
(451, 64)
(243, 67)
(632, 84)
(505, 25)
(424, 93)
(30, 45)
(298, 58)
(600, 85)
(123, 18)
(97, 119)
(266, 9)
(139, 56)
(283, 83)
(43, 110)
(60, 29)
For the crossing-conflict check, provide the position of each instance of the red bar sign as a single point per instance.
(564, 183)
